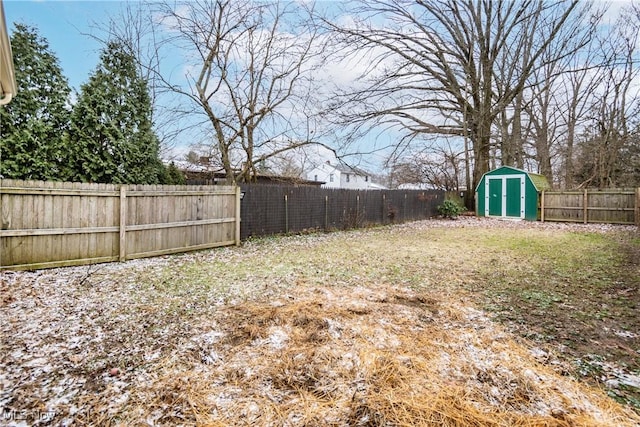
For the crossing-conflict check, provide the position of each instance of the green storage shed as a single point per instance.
(508, 192)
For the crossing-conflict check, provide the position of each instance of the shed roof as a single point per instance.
(540, 182)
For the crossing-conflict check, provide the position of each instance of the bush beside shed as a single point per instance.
(508, 192)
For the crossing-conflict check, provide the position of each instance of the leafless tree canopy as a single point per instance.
(250, 73)
(454, 67)
(439, 168)
(544, 85)
(246, 78)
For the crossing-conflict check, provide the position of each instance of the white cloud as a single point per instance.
(614, 8)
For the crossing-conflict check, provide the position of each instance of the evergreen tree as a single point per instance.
(174, 175)
(111, 139)
(32, 125)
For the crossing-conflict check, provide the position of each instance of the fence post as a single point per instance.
(384, 212)
(326, 213)
(123, 223)
(357, 209)
(585, 205)
(404, 208)
(542, 207)
(286, 213)
(637, 217)
(238, 199)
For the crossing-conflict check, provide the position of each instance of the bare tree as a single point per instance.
(614, 102)
(576, 87)
(547, 112)
(243, 78)
(436, 64)
(440, 167)
(249, 74)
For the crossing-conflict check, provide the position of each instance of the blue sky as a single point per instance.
(66, 25)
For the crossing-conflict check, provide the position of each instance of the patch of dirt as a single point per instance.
(337, 357)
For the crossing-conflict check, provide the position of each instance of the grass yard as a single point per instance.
(472, 322)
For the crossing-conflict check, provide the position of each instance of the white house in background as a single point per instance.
(340, 175)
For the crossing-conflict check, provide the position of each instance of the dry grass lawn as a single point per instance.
(435, 323)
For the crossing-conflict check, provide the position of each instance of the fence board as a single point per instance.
(590, 206)
(46, 224)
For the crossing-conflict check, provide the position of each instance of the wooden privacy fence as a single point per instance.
(53, 224)
(602, 206)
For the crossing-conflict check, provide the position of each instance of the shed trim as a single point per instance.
(503, 203)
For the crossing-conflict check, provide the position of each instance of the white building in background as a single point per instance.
(8, 86)
(340, 175)
(315, 163)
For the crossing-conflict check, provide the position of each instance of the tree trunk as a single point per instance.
(481, 151)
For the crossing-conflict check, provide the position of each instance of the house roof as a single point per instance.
(8, 87)
(374, 186)
(208, 174)
(345, 168)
